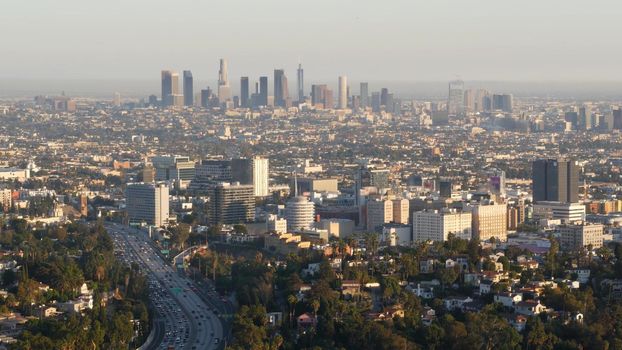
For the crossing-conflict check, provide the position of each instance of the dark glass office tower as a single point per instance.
(188, 88)
(167, 87)
(555, 180)
(263, 91)
(244, 92)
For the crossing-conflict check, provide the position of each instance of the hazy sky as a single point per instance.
(405, 40)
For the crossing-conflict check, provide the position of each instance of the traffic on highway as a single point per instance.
(184, 319)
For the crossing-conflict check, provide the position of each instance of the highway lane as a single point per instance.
(189, 323)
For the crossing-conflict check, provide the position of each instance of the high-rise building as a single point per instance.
(455, 101)
(555, 180)
(375, 101)
(364, 93)
(436, 225)
(188, 89)
(147, 203)
(281, 93)
(167, 88)
(224, 90)
(301, 84)
(244, 93)
(321, 96)
(502, 102)
(401, 211)
(263, 91)
(231, 203)
(206, 95)
(343, 92)
(490, 220)
(177, 168)
(384, 93)
(578, 236)
(379, 212)
(300, 213)
(252, 171)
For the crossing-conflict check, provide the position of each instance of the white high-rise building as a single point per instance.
(224, 90)
(343, 92)
(379, 212)
(260, 176)
(300, 213)
(435, 225)
(148, 203)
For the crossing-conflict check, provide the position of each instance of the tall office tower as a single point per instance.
(617, 118)
(231, 203)
(343, 92)
(555, 180)
(585, 118)
(436, 225)
(572, 117)
(205, 97)
(384, 94)
(244, 92)
(281, 93)
(301, 84)
(364, 93)
(455, 101)
(167, 88)
(188, 89)
(263, 91)
(481, 98)
(401, 211)
(252, 171)
(490, 221)
(502, 102)
(147, 203)
(317, 94)
(375, 101)
(300, 213)
(224, 90)
(379, 212)
(469, 100)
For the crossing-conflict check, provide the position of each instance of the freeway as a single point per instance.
(188, 321)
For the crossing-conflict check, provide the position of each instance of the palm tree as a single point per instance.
(292, 301)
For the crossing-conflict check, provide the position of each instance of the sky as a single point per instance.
(390, 40)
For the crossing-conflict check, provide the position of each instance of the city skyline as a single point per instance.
(481, 41)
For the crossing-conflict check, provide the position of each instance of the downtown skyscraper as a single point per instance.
(343, 92)
(244, 92)
(364, 100)
(301, 83)
(224, 90)
(188, 88)
(281, 94)
(455, 101)
(263, 91)
(170, 87)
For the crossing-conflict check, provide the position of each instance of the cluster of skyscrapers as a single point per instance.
(257, 95)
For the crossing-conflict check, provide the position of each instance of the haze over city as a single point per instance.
(289, 175)
(407, 42)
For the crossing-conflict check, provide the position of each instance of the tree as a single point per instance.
(180, 234)
(536, 336)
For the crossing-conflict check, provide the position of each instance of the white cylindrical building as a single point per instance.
(299, 212)
(343, 92)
